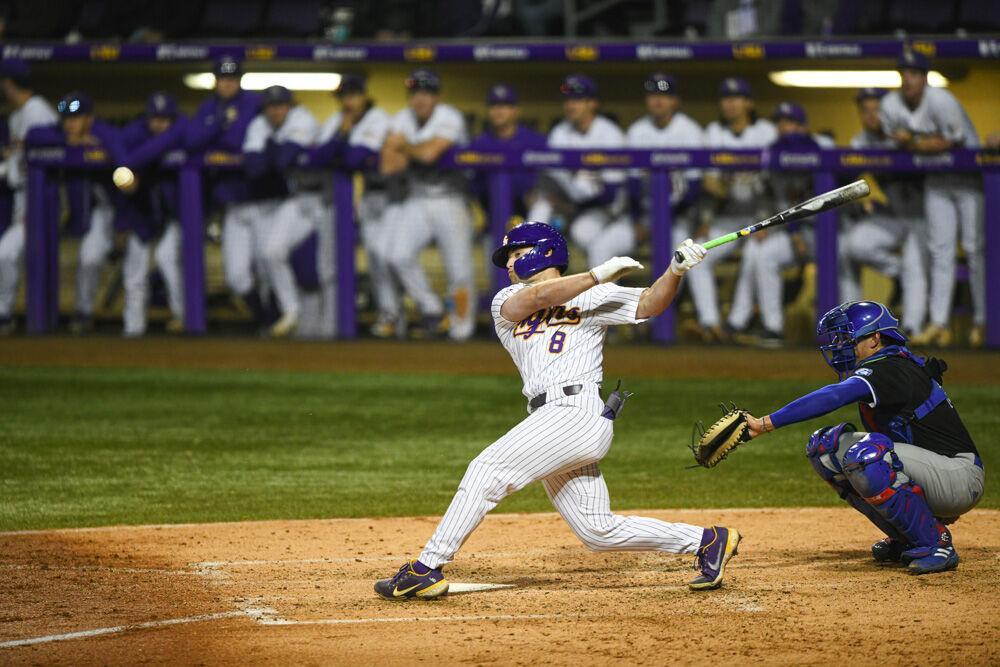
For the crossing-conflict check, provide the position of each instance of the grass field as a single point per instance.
(87, 447)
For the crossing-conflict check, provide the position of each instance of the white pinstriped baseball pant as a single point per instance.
(560, 444)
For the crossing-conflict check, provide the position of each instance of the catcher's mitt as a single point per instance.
(721, 438)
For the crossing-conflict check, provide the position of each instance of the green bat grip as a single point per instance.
(708, 245)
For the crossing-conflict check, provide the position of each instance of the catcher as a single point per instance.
(912, 471)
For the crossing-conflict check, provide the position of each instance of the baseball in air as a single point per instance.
(123, 178)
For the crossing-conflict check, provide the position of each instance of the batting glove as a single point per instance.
(613, 269)
(692, 252)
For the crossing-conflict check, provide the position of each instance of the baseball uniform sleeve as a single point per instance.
(612, 304)
(448, 124)
(372, 130)
(257, 134)
(302, 127)
(951, 120)
(499, 320)
(402, 123)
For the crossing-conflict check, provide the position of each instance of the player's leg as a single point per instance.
(848, 268)
(372, 224)
(942, 232)
(326, 266)
(913, 276)
(586, 229)
(741, 310)
(776, 254)
(135, 277)
(238, 253)
(11, 252)
(408, 233)
(95, 247)
(616, 239)
(452, 227)
(167, 255)
(293, 222)
(876, 242)
(969, 202)
(701, 279)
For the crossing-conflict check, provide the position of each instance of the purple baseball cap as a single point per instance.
(870, 94)
(423, 79)
(913, 60)
(733, 86)
(660, 84)
(15, 69)
(790, 111)
(277, 95)
(579, 87)
(161, 104)
(501, 93)
(350, 83)
(227, 66)
(75, 103)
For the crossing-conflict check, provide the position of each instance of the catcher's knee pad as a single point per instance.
(822, 453)
(872, 468)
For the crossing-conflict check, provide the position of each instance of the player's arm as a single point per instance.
(393, 157)
(658, 296)
(549, 293)
(815, 404)
(430, 151)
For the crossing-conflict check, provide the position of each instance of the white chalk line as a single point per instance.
(82, 634)
(209, 564)
(419, 619)
(97, 568)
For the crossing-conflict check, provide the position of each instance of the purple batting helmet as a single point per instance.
(549, 249)
(842, 327)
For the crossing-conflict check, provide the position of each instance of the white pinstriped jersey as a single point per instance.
(370, 131)
(445, 122)
(680, 132)
(745, 187)
(938, 113)
(36, 112)
(603, 133)
(564, 344)
(300, 127)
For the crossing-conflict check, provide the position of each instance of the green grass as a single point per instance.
(97, 447)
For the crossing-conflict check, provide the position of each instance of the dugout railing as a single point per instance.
(42, 279)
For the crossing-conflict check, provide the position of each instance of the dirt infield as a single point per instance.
(478, 357)
(803, 590)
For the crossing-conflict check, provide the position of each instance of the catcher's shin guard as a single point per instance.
(872, 467)
(822, 450)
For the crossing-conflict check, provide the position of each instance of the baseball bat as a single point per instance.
(824, 202)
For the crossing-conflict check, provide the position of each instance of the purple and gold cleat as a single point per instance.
(414, 580)
(718, 545)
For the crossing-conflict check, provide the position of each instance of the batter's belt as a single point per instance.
(614, 404)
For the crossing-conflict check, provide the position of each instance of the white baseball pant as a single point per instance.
(410, 228)
(292, 222)
(894, 247)
(135, 276)
(701, 279)
(760, 278)
(953, 209)
(601, 235)
(95, 247)
(373, 225)
(560, 444)
(243, 226)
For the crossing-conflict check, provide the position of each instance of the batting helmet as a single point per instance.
(549, 249)
(842, 327)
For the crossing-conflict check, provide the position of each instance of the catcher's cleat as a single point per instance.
(718, 545)
(410, 583)
(888, 550)
(938, 557)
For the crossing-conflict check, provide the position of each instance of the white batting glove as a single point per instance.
(692, 253)
(613, 269)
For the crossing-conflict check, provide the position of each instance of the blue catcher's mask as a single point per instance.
(549, 249)
(842, 327)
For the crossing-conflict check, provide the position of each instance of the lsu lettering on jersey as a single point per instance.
(564, 344)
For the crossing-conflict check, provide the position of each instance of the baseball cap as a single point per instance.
(790, 111)
(16, 70)
(350, 83)
(579, 87)
(161, 103)
(423, 79)
(501, 93)
(227, 66)
(913, 60)
(733, 86)
(75, 104)
(870, 94)
(660, 84)
(277, 95)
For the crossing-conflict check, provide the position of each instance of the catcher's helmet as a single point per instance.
(549, 249)
(842, 327)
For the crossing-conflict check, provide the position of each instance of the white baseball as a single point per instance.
(123, 178)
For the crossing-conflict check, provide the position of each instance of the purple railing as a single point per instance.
(42, 228)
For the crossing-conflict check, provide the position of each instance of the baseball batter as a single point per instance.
(352, 139)
(915, 467)
(435, 208)
(890, 234)
(554, 328)
(930, 120)
(594, 201)
(274, 141)
(30, 111)
(734, 198)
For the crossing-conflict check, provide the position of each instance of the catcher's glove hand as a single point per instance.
(721, 438)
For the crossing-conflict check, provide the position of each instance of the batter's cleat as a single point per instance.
(414, 580)
(284, 327)
(936, 558)
(718, 545)
(888, 550)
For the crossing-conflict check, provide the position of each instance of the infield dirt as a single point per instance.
(803, 590)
